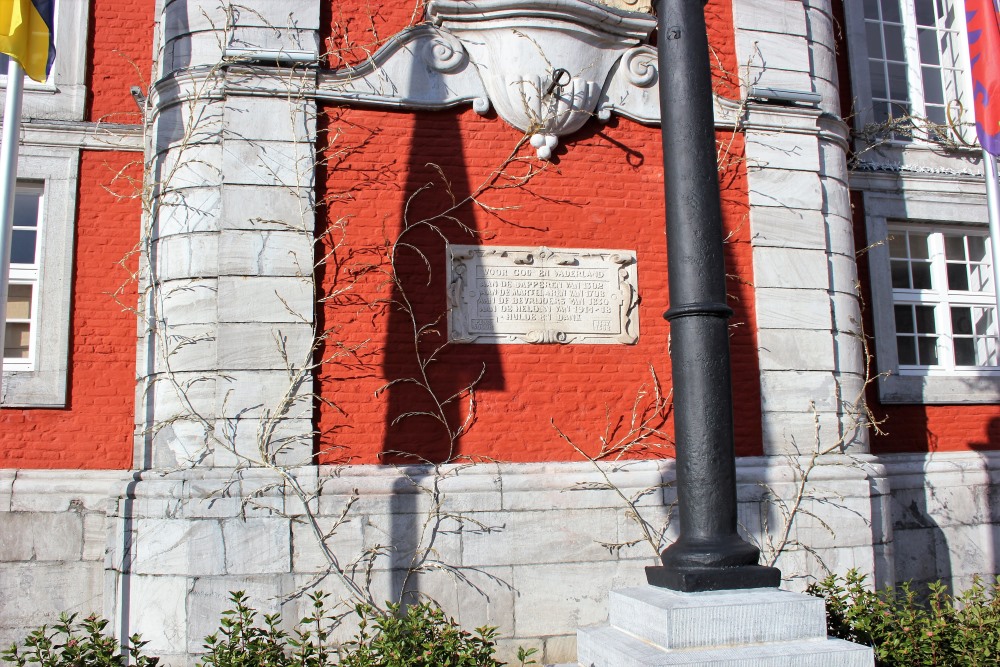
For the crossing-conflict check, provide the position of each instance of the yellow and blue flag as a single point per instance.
(27, 36)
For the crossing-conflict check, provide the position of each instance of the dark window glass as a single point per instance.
(925, 319)
(925, 12)
(894, 49)
(876, 72)
(873, 36)
(954, 247)
(26, 209)
(961, 321)
(898, 90)
(921, 275)
(958, 277)
(965, 352)
(901, 274)
(927, 347)
(977, 248)
(906, 349)
(890, 11)
(904, 319)
(933, 90)
(22, 249)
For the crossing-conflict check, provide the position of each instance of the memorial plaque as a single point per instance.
(501, 294)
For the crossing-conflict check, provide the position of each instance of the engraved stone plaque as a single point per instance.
(502, 294)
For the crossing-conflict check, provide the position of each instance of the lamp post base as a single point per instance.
(696, 579)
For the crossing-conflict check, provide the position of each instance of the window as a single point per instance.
(22, 313)
(944, 306)
(932, 289)
(909, 62)
(36, 345)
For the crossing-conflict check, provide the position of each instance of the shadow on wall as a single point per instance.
(425, 418)
(988, 451)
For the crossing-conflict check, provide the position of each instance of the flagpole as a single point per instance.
(8, 182)
(993, 208)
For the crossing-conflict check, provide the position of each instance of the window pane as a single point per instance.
(26, 209)
(986, 351)
(961, 320)
(16, 340)
(19, 302)
(965, 352)
(927, 348)
(898, 90)
(921, 275)
(918, 246)
(925, 319)
(904, 319)
(880, 113)
(897, 245)
(873, 36)
(958, 278)
(936, 116)
(981, 277)
(954, 247)
(876, 72)
(22, 249)
(906, 349)
(977, 248)
(890, 10)
(925, 12)
(933, 90)
(900, 275)
(894, 49)
(984, 321)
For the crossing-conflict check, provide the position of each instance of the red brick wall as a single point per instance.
(603, 191)
(119, 56)
(95, 428)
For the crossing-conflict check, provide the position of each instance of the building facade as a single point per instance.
(368, 299)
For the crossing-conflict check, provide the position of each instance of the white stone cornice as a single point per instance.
(90, 136)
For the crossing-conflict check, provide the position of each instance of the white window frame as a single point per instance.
(44, 383)
(21, 274)
(64, 95)
(891, 200)
(859, 60)
(941, 299)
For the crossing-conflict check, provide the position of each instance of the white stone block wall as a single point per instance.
(524, 547)
(532, 549)
(225, 353)
(945, 514)
(808, 317)
(53, 532)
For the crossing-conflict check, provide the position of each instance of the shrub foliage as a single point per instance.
(420, 635)
(907, 626)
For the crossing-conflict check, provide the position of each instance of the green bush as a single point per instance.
(908, 627)
(241, 642)
(69, 643)
(420, 635)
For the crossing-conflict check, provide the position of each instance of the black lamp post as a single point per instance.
(709, 554)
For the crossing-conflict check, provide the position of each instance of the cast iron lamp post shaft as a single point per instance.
(709, 554)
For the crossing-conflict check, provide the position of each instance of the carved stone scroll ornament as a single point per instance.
(546, 66)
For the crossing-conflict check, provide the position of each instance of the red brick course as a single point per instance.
(94, 431)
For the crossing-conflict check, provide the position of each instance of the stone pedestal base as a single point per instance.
(651, 626)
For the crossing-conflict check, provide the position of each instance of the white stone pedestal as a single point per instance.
(763, 627)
